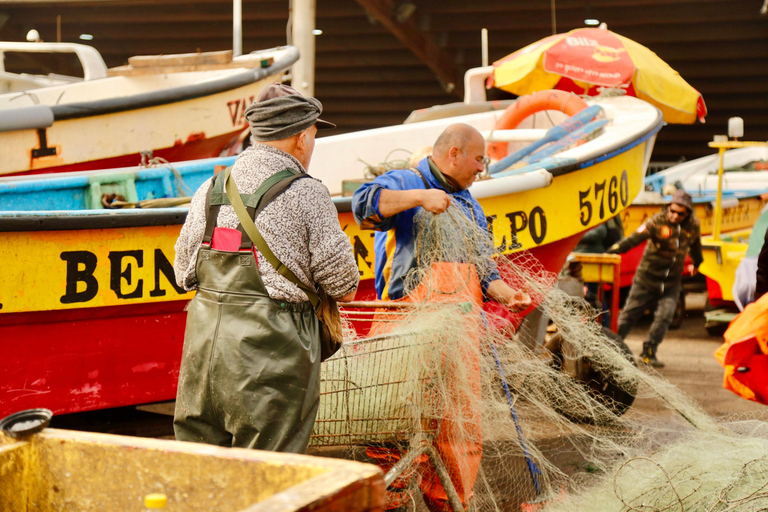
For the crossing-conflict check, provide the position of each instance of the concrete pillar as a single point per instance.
(303, 25)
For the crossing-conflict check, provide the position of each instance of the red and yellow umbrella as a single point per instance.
(586, 59)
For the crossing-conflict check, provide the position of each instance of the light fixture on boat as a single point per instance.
(317, 32)
(86, 37)
(592, 22)
(33, 36)
(735, 127)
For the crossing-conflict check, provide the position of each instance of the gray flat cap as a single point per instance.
(281, 112)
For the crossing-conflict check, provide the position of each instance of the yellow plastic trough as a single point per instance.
(61, 470)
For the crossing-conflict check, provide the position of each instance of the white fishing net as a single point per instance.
(519, 422)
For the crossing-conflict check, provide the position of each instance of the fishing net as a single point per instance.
(443, 391)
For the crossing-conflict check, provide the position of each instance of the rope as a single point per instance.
(147, 161)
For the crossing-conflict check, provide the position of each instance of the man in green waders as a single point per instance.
(250, 371)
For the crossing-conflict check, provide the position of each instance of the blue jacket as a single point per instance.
(394, 242)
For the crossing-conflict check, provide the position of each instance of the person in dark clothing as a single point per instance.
(596, 241)
(761, 285)
(671, 234)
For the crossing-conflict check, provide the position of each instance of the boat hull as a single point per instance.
(735, 217)
(184, 130)
(96, 357)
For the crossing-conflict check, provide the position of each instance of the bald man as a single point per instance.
(388, 205)
(390, 202)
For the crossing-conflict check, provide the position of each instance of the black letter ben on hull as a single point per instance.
(117, 274)
(76, 274)
(163, 266)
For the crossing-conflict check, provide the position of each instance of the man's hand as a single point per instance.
(435, 201)
(520, 301)
(516, 300)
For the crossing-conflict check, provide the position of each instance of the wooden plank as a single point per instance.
(420, 43)
(381, 105)
(732, 87)
(506, 41)
(166, 11)
(382, 89)
(673, 51)
(730, 68)
(401, 58)
(154, 70)
(181, 59)
(331, 42)
(543, 7)
(365, 75)
(711, 30)
(731, 102)
(197, 26)
(628, 13)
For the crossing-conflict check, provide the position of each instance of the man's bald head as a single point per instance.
(458, 153)
(458, 135)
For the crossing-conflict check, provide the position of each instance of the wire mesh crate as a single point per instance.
(374, 391)
(379, 390)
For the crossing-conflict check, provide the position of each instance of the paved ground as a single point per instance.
(691, 366)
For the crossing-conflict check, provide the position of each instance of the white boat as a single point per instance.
(699, 177)
(177, 107)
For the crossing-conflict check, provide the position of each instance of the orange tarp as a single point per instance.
(459, 439)
(744, 355)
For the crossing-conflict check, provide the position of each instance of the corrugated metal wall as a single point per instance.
(366, 77)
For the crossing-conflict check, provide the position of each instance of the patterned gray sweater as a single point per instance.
(300, 226)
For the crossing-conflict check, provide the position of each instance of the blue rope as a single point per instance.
(532, 467)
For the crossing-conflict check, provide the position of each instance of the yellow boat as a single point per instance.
(745, 194)
(738, 212)
(743, 183)
(721, 257)
(723, 252)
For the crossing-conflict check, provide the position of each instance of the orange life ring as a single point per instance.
(529, 104)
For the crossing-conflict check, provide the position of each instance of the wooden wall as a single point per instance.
(367, 77)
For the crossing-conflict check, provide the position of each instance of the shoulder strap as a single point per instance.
(420, 175)
(265, 194)
(219, 196)
(254, 203)
(211, 212)
(271, 192)
(258, 240)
